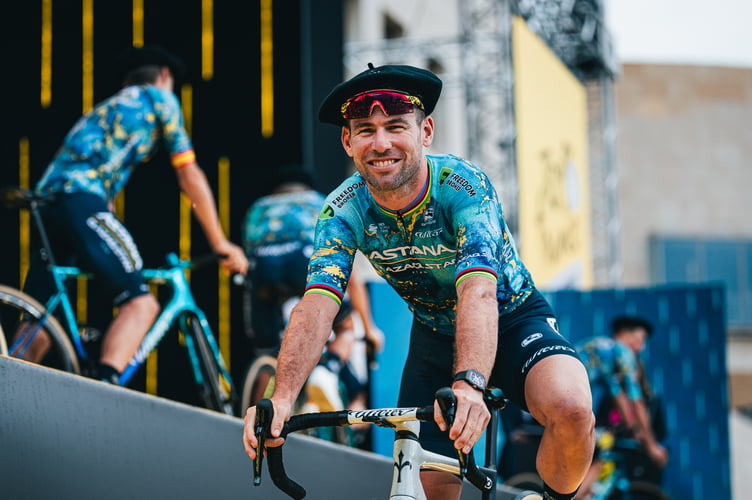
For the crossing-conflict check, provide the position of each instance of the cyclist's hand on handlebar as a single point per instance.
(470, 419)
(250, 440)
(235, 260)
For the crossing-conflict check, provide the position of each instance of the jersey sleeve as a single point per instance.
(177, 142)
(477, 224)
(334, 252)
(627, 373)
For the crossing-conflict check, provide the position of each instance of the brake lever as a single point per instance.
(264, 416)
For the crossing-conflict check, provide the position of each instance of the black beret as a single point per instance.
(150, 55)
(418, 82)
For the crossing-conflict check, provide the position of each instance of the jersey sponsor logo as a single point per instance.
(399, 252)
(414, 257)
(428, 216)
(347, 194)
(398, 268)
(544, 350)
(553, 324)
(530, 339)
(374, 229)
(433, 233)
(327, 212)
(277, 249)
(443, 174)
(459, 183)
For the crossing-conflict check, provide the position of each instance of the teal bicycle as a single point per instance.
(23, 319)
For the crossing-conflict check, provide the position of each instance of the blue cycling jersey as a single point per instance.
(452, 230)
(611, 367)
(282, 218)
(99, 153)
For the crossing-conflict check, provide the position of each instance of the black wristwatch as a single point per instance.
(473, 377)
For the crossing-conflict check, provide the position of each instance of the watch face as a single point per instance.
(475, 378)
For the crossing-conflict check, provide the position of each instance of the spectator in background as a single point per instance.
(618, 384)
(278, 232)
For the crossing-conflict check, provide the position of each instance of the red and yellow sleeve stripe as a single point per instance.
(180, 160)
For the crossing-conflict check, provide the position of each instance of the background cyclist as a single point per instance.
(93, 164)
(278, 232)
(432, 226)
(618, 384)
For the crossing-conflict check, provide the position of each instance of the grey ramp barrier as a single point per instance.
(67, 437)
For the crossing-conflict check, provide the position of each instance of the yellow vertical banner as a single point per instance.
(267, 69)
(552, 159)
(45, 97)
(223, 312)
(24, 229)
(138, 23)
(207, 39)
(87, 55)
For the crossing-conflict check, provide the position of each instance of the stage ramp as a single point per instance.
(67, 437)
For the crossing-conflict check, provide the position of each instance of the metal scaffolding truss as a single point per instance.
(576, 31)
(477, 64)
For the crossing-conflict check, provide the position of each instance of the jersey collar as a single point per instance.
(417, 204)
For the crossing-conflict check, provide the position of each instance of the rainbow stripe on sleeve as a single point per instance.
(325, 290)
(476, 271)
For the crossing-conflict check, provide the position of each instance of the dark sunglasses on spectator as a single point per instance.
(391, 102)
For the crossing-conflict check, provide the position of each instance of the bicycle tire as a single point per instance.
(639, 490)
(525, 481)
(214, 396)
(15, 305)
(3, 344)
(251, 392)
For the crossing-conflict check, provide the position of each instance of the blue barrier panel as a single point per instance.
(685, 361)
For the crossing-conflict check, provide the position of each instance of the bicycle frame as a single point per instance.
(180, 308)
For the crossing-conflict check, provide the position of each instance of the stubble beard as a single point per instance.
(393, 185)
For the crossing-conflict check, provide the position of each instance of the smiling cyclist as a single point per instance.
(432, 226)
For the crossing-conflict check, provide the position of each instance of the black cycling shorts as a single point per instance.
(277, 272)
(527, 335)
(84, 233)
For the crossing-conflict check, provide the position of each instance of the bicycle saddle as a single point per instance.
(16, 197)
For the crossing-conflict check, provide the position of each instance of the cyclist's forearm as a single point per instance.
(477, 325)
(645, 432)
(303, 342)
(194, 184)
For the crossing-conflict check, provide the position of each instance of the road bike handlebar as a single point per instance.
(481, 477)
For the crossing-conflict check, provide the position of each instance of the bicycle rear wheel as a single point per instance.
(525, 481)
(258, 382)
(19, 320)
(216, 390)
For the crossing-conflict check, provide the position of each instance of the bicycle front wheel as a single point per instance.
(216, 390)
(259, 381)
(26, 338)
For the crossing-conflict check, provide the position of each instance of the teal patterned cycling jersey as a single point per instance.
(611, 367)
(452, 230)
(100, 152)
(282, 218)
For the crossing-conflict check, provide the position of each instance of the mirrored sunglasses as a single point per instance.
(392, 103)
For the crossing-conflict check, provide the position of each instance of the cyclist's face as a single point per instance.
(635, 339)
(388, 150)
